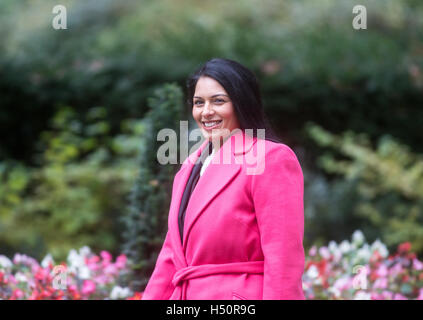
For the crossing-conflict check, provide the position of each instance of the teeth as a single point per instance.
(211, 124)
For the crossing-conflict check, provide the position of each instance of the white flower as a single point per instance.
(362, 295)
(85, 251)
(380, 247)
(5, 262)
(332, 246)
(47, 259)
(120, 293)
(312, 272)
(75, 260)
(364, 253)
(345, 247)
(17, 258)
(358, 237)
(20, 277)
(337, 255)
(335, 291)
(84, 272)
(324, 252)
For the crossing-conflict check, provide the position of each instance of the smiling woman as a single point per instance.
(213, 110)
(232, 235)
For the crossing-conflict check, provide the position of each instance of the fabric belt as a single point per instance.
(181, 277)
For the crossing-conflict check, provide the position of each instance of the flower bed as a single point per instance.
(359, 271)
(85, 276)
(349, 270)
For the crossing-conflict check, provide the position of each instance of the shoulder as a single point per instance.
(278, 149)
(274, 151)
(271, 156)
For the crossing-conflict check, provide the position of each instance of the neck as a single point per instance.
(218, 143)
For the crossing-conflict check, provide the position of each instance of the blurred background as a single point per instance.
(80, 110)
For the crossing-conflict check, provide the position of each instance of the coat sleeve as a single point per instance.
(278, 201)
(159, 286)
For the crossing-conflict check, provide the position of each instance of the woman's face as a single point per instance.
(213, 110)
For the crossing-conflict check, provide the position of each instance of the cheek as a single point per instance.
(195, 114)
(228, 116)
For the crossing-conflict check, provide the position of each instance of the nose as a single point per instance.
(208, 108)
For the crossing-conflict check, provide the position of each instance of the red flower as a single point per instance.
(376, 256)
(373, 276)
(412, 256)
(136, 296)
(404, 247)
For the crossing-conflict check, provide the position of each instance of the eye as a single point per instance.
(197, 102)
(219, 100)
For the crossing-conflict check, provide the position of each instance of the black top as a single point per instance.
(189, 188)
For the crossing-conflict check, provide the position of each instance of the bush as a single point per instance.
(378, 188)
(77, 193)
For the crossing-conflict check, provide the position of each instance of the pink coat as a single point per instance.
(243, 232)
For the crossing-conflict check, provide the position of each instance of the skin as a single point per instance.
(211, 102)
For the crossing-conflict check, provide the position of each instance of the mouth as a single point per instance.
(208, 125)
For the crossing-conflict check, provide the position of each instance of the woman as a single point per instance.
(233, 233)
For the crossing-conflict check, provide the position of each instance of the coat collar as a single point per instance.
(213, 181)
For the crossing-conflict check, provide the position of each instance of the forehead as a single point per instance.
(207, 87)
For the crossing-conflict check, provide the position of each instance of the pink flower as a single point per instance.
(376, 296)
(381, 283)
(418, 265)
(34, 295)
(11, 279)
(92, 260)
(420, 297)
(399, 296)
(324, 252)
(106, 255)
(88, 287)
(72, 287)
(17, 294)
(396, 269)
(41, 274)
(110, 269)
(387, 295)
(312, 252)
(107, 258)
(121, 261)
(382, 271)
(342, 284)
(101, 279)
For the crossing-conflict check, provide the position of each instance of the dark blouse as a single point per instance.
(189, 188)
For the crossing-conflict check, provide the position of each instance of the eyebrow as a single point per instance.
(215, 95)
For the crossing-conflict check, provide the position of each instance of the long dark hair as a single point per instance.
(243, 89)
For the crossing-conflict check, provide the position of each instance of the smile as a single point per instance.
(211, 124)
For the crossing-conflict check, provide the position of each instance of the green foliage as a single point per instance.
(146, 217)
(387, 182)
(76, 194)
(311, 63)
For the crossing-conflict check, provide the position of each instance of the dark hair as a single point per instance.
(242, 87)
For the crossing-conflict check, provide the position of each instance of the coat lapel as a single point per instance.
(214, 179)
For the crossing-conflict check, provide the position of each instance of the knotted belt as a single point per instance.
(181, 277)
